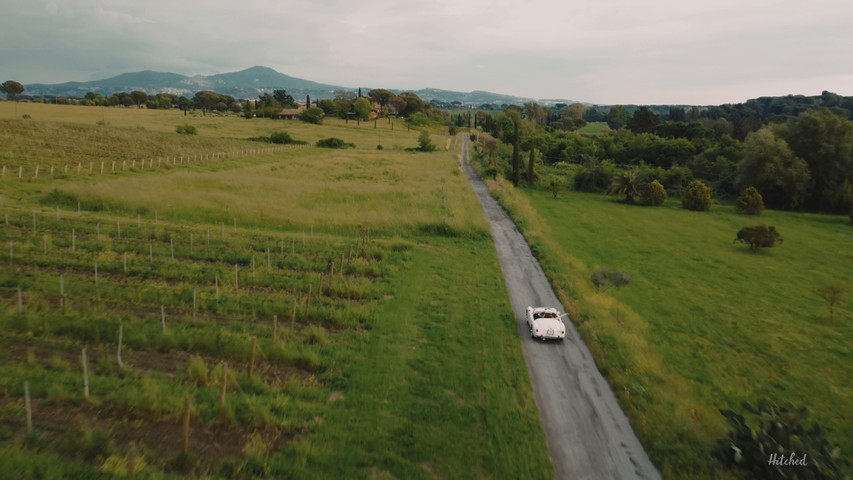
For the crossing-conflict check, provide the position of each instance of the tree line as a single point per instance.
(796, 151)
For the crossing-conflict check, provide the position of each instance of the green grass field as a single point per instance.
(360, 287)
(705, 324)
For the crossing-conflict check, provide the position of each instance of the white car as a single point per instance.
(546, 323)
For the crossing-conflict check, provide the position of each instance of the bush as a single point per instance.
(607, 277)
(281, 138)
(333, 142)
(697, 197)
(750, 202)
(197, 371)
(313, 115)
(185, 129)
(425, 143)
(779, 446)
(758, 237)
(653, 194)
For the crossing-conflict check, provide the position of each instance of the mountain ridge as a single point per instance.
(248, 84)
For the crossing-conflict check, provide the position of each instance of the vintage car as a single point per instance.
(545, 323)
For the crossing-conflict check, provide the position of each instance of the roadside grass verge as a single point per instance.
(705, 324)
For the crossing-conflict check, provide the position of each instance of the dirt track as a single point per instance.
(588, 435)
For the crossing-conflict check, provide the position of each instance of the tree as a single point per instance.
(12, 89)
(425, 142)
(617, 117)
(343, 107)
(206, 100)
(750, 202)
(778, 446)
(626, 183)
(643, 121)
(697, 197)
(362, 108)
(508, 125)
(758, 237)
(535, 113)
(139, 97)
(833, 293)
(381, 97)
(824, 140)
(771, 167)
(653, 194)
(184, 104)
(284, 99)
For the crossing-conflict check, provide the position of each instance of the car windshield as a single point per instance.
(545, 315)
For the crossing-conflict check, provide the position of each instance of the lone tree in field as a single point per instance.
(778, 446)
(833, 293)
(758, 237)
(653, 194)
(425, 143)
(697, 197)
(626, 183)
(12, 89)
(750, 202)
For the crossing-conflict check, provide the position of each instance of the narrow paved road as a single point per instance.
(588, 435)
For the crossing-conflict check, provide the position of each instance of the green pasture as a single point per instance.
(349, 302)
(705, 324)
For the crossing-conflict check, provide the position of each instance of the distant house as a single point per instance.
(289, 113)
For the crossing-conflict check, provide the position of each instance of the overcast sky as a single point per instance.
(598, 51)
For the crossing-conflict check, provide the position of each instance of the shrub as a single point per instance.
(607, 277)
(758, 237)
(281, 138)
(313, 115)
(333, 142)
(185, 129)
(653, 194)
(316, 334)
(750, 202)
(425, 143)
(697, 197)
(778, 446)
(197, 371)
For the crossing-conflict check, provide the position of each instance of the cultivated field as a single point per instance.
(705, 324)
(249, 309)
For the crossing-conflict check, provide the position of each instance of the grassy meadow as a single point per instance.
(705, 324)
(249, 309)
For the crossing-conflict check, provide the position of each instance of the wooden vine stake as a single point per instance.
(217, 289)
(85, 376)
(308, 302)
(292, 315)
(131, 454)
(186, 429)
(62, 290)
(28, 406)
(224, 385)
(20, 302)
(195, 300)
(274, 328)
(163, 316)
(320, 290)
(236, 278)
(252, 357)
(118, 352)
